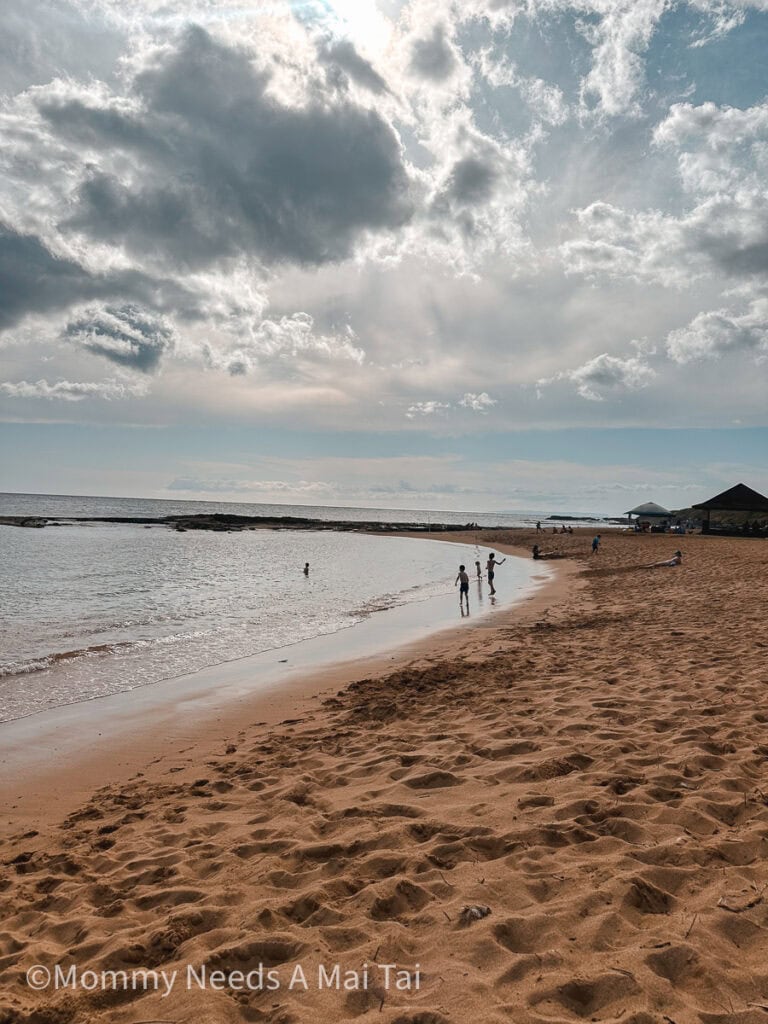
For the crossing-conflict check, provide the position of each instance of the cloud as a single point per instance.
(644, 246)
(73, 391)
(477, 403)
(289, 340)
(723, 233)
(126, 335)
(481, 403)
(201, 162)
(76, 37)
(428, 408)
(220, 485)
(471, 181)
(724, 16)
(618, 39)
(34, 278)
(545, 99)
(342, 55)
(714, 126)
(433, 57)
(719, 332)
(719, 147)
(722, 162)
(606, 373)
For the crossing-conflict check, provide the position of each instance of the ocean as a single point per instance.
(94, 609)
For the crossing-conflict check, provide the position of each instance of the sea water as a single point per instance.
(94, 609)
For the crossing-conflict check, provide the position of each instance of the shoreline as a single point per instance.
(45, 767)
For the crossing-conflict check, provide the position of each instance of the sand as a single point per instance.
(592, 770)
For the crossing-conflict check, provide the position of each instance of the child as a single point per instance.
(479, 570)
(596, 544)
(464, 588)
(490, 568)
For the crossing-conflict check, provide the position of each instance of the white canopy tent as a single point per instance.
(650, 510)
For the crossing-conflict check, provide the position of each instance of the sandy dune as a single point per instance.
(596, 776)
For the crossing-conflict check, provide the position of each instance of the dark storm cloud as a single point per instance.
(432, 57)
(470, 185)
(126, 335)
(343, 55)
(224, 168)
(33, 279)
(100, 127)
(471, 181)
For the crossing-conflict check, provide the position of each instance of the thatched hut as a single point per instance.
(738, 499)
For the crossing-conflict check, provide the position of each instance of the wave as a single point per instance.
(48, 661)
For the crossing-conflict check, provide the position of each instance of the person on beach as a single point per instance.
(538, 527)
(596, 543)
(676, 559)
(306, 568)
(490, 568)
(478, 570)
(463, 578)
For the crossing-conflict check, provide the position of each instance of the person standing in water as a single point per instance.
(478, 570)
(490, 567)
(463, 578)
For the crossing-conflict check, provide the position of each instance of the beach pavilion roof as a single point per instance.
(650, 510)
(737, 499)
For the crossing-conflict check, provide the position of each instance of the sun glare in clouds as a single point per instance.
(361, 21)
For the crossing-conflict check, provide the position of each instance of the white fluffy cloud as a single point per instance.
(719, 148)
(427, 408)
(606, 375)
(291, 340)
(619, 39)
(477, 403)
(722, 161)
(721, 332)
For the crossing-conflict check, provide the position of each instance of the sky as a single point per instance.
(482, 255)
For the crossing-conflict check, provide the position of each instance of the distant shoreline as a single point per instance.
(225, 522)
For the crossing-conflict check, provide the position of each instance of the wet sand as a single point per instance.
(591, 767)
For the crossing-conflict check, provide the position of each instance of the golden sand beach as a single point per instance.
(590, 770)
